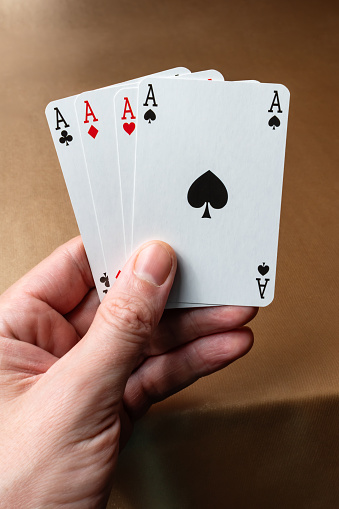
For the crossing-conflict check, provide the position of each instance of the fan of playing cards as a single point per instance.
(186, 158)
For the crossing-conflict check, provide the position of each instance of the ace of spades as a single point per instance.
(221, 128)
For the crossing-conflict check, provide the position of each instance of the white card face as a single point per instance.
(95, 115)
(209, 75)
(63, 125)
(125, 112)
(209, 171)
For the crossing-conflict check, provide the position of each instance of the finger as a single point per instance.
(161, 376)
(82, 316)
(124, 322)
(179, 326)
(176, 327)
(61, 280)
(30, 320)
(21, 360)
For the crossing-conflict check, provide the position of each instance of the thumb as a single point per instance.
(125, 320)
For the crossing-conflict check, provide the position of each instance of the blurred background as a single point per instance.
(264, 432)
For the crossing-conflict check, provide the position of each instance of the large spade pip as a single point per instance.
(209, 189)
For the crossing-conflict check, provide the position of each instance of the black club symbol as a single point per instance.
(65, 137)
(104, 279)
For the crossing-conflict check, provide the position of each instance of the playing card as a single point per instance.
(126, 152)
(125, 113)
(208, 181)
(125, 102)
(96, 123)
(66, 137)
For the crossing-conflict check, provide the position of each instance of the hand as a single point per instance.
(75, 375)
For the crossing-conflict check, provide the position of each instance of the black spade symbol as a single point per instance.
(263, 269)
(150, 115)
(274, 122)
(208, 189)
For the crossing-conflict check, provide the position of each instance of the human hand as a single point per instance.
(74, 375)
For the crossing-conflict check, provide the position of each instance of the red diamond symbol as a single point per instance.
(93, 131)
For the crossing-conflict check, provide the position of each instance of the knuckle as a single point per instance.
(130, 315)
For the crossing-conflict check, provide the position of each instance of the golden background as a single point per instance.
(262, 433)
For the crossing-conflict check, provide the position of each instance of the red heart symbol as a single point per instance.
(129, 128)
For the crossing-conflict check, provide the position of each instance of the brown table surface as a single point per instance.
(262, 433)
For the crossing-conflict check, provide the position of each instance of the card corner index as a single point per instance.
(266, 302)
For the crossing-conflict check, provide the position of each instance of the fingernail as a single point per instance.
(153, 264)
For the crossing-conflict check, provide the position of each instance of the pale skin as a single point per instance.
(74, 375)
